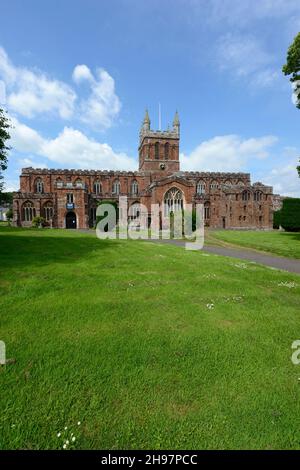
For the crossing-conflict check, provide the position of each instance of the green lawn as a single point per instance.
(118, 335)
(277, 242)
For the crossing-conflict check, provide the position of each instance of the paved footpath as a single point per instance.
(287, 264)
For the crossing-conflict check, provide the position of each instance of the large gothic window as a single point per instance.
(200, 187)
(116, 187)
(173, 201)
(28, 211)
(97, 187)
(156, 150)
(167, 151)
(48, 211)
(134, 188)
(39, 186)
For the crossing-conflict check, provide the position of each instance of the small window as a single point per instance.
(134, 188)
(39, 186)
(116, 187)
(79, 183)
(70, 198)
(200, 188)
(156, 150)
(167, 147)
(97, 187)
(246, 196)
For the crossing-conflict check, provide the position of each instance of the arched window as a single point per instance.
(258, 195)
(39, 186)
(240, 183)
(28, 211)
(116, 187)
(246, 196)
(157, 150)
(97, 187)
(134, 188)
(59, 183)
(134, 210)
(200, 187)
(79, 183)
(206, 211)
(213, 185)
(167, 150)
(173, 201)
(48, 211)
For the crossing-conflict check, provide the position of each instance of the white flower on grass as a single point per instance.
(289, 285)
(210, 306)
(59, 434)
(240, 265)
(73, 439)
(79, 423)
(64, 446)
(67, 442)
(66, 428)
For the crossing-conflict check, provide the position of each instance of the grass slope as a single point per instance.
(280, 243)
(118, 335)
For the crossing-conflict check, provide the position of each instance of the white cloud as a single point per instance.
(243, 12)
(2, 92)
(284, 176)
(81, 73)
(102, 105)
(227, 153)
(71, 148)
(245, 57)
(31, 92)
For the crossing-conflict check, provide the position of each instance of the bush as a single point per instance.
(277, 219)
(38, 222)
(9, 215)
(290, 215)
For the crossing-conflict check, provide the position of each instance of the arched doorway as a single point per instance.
(71, 220)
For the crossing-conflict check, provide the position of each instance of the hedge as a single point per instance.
(289, 215)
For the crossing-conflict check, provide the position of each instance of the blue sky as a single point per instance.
(76, 76)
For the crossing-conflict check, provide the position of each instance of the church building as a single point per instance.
(69, 198)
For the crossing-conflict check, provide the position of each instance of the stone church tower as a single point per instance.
(159, 150)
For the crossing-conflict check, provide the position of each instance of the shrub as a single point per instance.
(276, 219)
(38, 222)
(290, 215)
(9, 215)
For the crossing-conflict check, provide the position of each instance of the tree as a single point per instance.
(4, 137)
(9, 215)
(292, 66)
